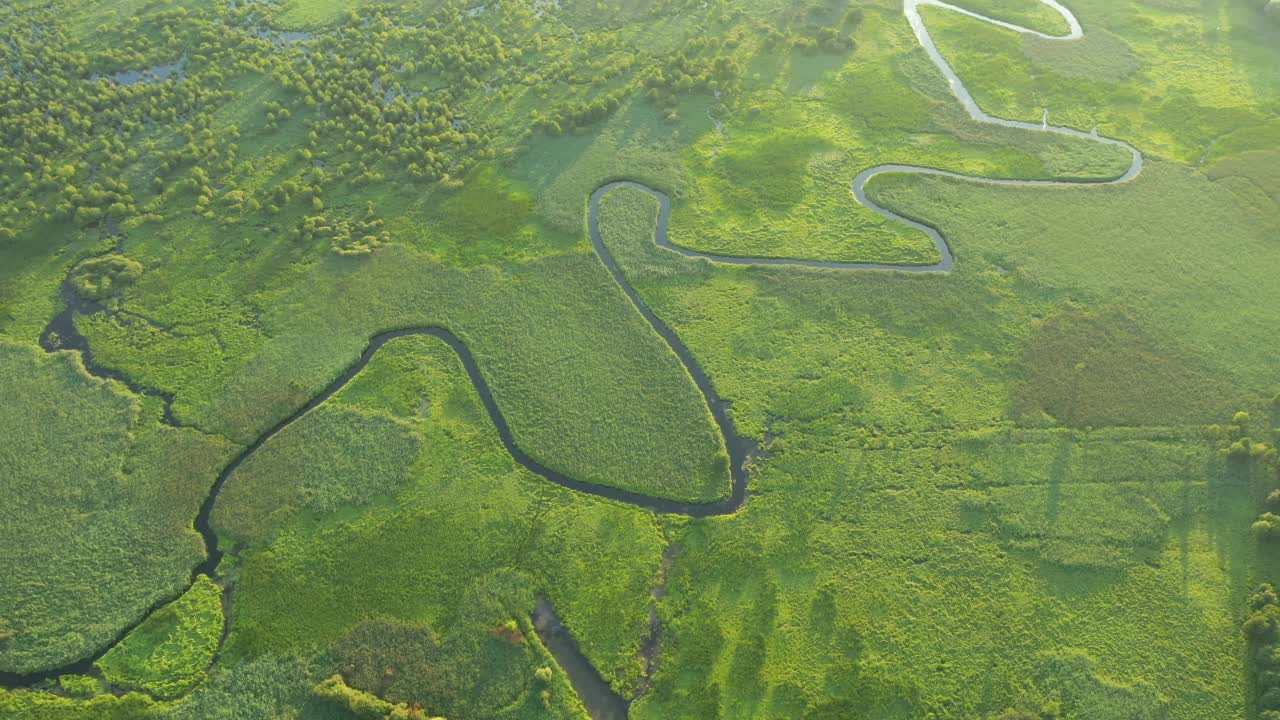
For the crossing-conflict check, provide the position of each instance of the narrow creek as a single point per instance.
(597, 696)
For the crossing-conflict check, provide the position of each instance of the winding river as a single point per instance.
(599, 698)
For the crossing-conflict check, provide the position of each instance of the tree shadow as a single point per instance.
(1254, 42)
(1058, 472)
(1232, 505)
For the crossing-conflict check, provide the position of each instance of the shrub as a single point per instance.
(1267, 526)
(1262, 631)
(1241, 449)
(79, 685)
(364, 705)
(38, 705)
(101, 277)
(360, 704)
(347, 237)
(509, 631)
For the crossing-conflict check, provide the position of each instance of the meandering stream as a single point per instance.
(596, 693)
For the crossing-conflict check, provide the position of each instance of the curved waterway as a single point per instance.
(602, 703)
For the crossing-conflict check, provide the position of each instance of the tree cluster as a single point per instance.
(1262, 631)
(577, 114)
(1236, 447)
(74, 133)
(347, 237)
(93, 137)
(685, 73)
(362, 113)
(363, 705)
(817, 31)
(105, 276)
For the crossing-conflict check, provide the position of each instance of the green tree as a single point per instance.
(1267, 526)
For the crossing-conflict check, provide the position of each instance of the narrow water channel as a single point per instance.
(597, 696)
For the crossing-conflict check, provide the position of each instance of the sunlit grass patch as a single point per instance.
(1100, 56)
(1031, 14)
(330, 458)
(170, 652)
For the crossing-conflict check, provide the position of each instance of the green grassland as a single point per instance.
(1025, 13)
(169, 653)
(779, 184)
(899, 438)
(308, 14)
(413, 554)
(984, 494)
(1158, 75)
(533, 331)
(99, 498)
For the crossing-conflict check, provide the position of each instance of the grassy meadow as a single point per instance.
(1022, 490)
(410, 555)
(99, 501)
(934, 454)
(170, 652)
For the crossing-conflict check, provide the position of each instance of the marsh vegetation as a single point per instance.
(1042, 485)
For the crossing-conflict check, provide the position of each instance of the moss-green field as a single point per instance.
(1038, 486)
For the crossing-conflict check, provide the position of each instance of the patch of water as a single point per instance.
(148, 76)
(601, 702)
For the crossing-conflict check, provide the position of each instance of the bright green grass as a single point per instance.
(1027, 13)
(779, 184)
(100, 498)
(1199, 78)
(313, 15)
(460, 550)
(335, 692)
(899, 482)
(170, 652)
(851, 601)
(310, 14)
(30, 705)
(80, 685)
